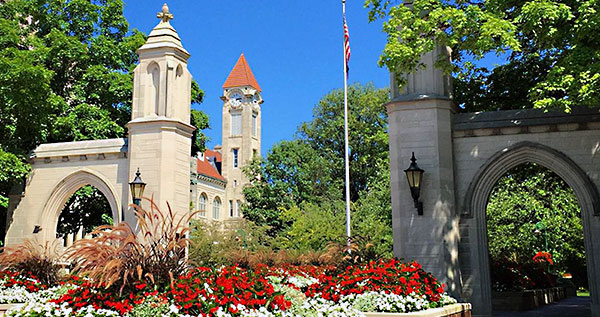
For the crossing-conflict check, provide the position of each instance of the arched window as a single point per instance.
(216, 207)
(202, 205)
(155, 76)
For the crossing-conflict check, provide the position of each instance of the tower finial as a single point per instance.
(165, 15)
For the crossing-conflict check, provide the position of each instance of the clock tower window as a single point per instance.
(235, 157)
(236, 123)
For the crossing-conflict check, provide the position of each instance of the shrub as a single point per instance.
(509, 275)
(117, 255)
(213, 246)
(33, 258)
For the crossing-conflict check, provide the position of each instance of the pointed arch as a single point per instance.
(499, 164)
(153, 70)
(65, 188)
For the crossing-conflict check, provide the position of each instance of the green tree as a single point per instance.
(65, 75)
(87, 208)
(528, 194)
(312, 226)
(371, 216)
(552, 48)
(299, 187)
(293, 172)
(368, 138)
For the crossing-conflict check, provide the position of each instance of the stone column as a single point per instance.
(420, 121)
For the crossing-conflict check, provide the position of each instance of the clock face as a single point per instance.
(256, 99)
(235, 99)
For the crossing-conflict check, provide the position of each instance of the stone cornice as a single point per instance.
(524, 121)
(163, 123)
(83, 149)
(210, 179)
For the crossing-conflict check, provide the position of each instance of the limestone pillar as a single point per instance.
(159, 132)
(420, 118)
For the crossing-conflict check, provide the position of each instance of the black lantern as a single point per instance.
(137, 188)
(415, 175)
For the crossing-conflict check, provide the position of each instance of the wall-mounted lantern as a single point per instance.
(137, 188)
(414, 175)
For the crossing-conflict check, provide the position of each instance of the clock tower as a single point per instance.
(241, 131)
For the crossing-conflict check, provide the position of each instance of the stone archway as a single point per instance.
(65, 188)
(485, 179)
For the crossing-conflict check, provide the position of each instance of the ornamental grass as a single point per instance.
(39, 260)
(119, 256)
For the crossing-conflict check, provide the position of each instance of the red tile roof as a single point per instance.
(215, 154)
(241, 75)
(207, 169)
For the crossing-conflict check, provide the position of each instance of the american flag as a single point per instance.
(346, 44)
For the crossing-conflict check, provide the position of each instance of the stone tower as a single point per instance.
(241, 131)
(159, 130)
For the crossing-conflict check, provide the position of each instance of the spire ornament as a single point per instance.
(165, 15)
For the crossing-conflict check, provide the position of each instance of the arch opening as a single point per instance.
(63, 192)
(535, 235)
(476, 201)
(85, 210)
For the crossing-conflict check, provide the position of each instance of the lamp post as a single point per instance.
(414, 175)
(137, 188)
(540, 228)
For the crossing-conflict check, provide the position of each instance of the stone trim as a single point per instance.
(80, 149)
(210, 179)
(163, 123)
(509, 122)
(454, 310)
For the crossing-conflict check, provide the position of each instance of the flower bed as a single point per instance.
(382, 286)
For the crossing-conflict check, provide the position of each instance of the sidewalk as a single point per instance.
(572, 306)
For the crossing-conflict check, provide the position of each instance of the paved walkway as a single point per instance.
(572, 306)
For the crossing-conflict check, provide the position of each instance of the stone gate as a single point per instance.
(464, 155)
(158, 143)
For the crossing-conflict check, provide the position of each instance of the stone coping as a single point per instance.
(521, 118)
(80, 148)
(5, 307)
(449, 310)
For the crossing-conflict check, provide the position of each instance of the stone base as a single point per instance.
(6, 307)
(455, 310)
(526, 300)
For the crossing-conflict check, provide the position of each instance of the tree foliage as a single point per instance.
(65, 75)
(552, 48)
(87, 209)
(526, 195)
(298, 189)
(368, 139)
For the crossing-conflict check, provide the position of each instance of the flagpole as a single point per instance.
(347, 163)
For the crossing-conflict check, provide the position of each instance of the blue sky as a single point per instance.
(293, 47)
